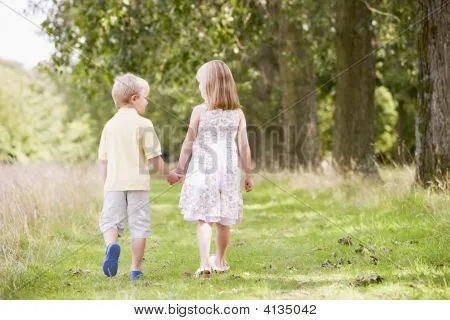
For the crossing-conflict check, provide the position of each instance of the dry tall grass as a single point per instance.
(39, 195)
(392, 182)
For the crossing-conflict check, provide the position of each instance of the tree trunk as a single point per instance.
(354, 130)
(433, 105)
(301, 134)
(401, 149)
(264, 90)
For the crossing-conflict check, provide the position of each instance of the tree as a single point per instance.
(301, 134)
(433, 105)
(353, 136)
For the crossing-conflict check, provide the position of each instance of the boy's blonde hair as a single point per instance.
(127, 85)
(218, 86)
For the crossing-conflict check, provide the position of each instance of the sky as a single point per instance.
(20, 40)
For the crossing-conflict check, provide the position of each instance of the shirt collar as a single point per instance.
(125, 110)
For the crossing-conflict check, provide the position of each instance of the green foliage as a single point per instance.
(325, 118)
(33, 124)
(397, 65)
(385, 122)
(166, 41)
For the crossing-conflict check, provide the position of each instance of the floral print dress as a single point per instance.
(211, 191)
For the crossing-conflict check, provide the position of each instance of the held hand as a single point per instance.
(249, 184)
(180, 177)
(174, 178)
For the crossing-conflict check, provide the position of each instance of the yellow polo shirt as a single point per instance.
(128, 141)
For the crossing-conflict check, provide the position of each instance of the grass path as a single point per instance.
(276, 253)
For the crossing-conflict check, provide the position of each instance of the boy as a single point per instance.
(127, 145)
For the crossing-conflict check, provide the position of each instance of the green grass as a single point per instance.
(276, 253)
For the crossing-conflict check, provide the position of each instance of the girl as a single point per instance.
(211, 191)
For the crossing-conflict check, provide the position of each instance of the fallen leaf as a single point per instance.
(345, 241)
(375, 278)
(292, 268)
(373, 260)
(76, 272)
(364, 281)
(328, 264)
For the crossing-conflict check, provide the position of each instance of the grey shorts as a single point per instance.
(120, 206)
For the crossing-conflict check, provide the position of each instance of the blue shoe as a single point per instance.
(111, 262)
(135, 275)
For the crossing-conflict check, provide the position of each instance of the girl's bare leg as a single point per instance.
(204, 234)
(223, 236)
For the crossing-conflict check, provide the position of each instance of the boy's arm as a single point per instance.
(160, 165)
(152, 151)
(103, 154)
(186, 149)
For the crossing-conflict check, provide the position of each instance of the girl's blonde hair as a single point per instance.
(127, 85)
(217, 86)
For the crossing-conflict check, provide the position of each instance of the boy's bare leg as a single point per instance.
(137, 253)
(111, 236)
(204, 234)
(223, 237)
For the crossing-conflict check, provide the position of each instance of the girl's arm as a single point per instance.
(244, 152)
(104, 169)
(186, 149)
